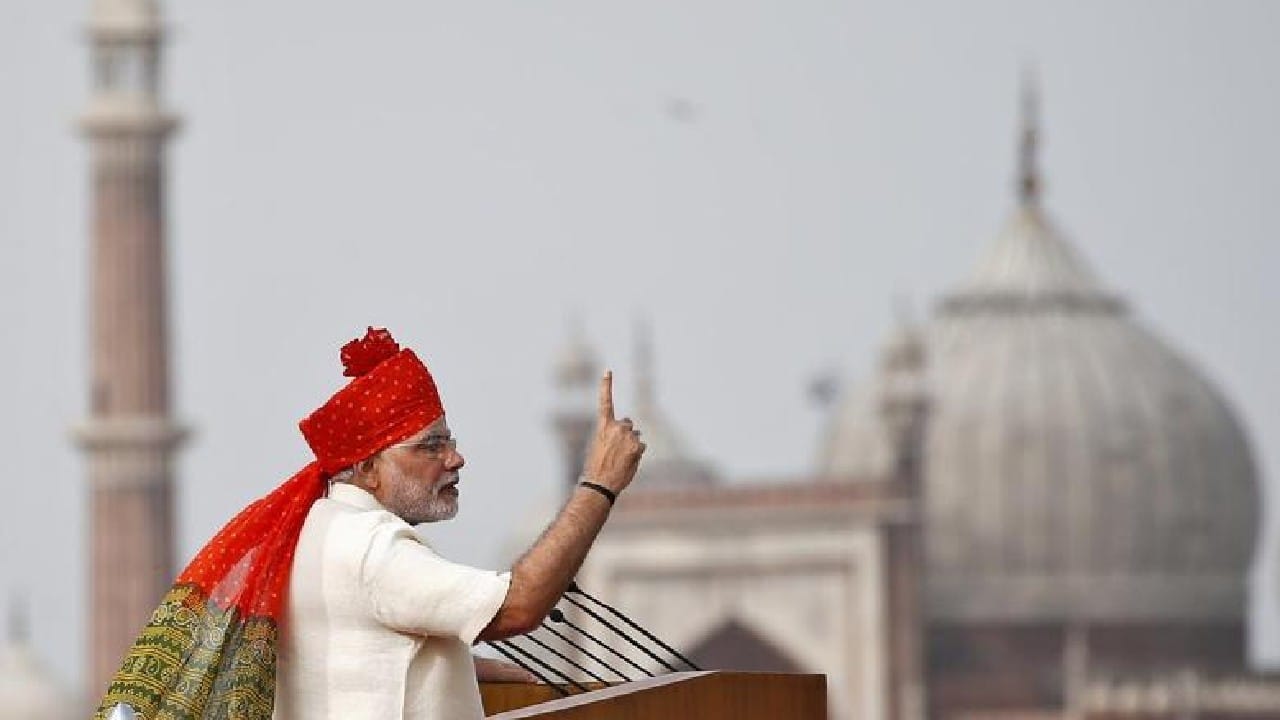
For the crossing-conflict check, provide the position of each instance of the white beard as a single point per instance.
(416, 504)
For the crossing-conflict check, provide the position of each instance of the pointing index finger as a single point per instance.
(606, 396)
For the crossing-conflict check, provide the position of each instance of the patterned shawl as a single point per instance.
(209, 650)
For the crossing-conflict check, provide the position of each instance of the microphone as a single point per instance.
(558, 616)
(574, 587)
(583, 650)
(621, 633)
(507, 654)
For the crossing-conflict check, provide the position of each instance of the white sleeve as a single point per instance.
(412, 589)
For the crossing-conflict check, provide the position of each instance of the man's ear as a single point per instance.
(364, 470)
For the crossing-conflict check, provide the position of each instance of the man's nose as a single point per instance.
(455, 461)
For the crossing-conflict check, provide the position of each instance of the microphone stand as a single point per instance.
(564, 657)
(585, 651)
(620, 632)
(543, 663)
(575, 588)
(542, 678)
(558, 616)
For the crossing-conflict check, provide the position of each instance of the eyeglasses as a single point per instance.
(433, 447)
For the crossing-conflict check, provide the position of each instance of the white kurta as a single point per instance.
(378, 625)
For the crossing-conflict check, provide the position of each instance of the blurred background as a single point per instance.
(1055, 220)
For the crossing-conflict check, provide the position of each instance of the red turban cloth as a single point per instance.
(209, 650)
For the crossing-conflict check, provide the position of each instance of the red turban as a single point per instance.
(391, 398)
(209, 649)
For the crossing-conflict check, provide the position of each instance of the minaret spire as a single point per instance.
(645, 394)
(576, 376)
(1029, 184)
(129, 439)
(19, 627)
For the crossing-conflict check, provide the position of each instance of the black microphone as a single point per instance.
(543, 678)
(511, 644)
(581, 649)
(620, 633)
(574, 587)
(557, 616)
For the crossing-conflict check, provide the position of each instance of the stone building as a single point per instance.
(796, 574)
(1037, 508)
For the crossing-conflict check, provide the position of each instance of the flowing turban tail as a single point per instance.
(209, 650)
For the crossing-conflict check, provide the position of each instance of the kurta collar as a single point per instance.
(349, 494)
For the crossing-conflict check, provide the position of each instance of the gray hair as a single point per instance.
(348, 474)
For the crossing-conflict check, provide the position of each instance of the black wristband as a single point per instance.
(611, 495)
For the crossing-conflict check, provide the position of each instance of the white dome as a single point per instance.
(856, 446)
(1075, 465)
(667, 459)
(27, 690)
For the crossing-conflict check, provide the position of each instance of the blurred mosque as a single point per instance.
(28, 691)
(1035, 509)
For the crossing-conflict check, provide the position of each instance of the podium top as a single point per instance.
(706, 695)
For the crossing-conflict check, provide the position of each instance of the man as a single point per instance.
(364, 619)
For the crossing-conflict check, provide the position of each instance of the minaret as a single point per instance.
(904, 410)
(667, 458)
(576, 378)
(646, 394)
(19, 630)
(129, 438)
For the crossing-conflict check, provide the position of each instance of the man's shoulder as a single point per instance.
(352, 527)
(349, 516)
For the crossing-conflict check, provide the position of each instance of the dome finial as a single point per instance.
(1028, 171)
(904, 315)
(18, 624)
(577, 326)
(576, 367)
(644, 363)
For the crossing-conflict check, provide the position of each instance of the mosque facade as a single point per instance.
(1037, 508)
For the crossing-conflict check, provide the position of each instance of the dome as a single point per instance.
(667, 459)
(1076, 466)
(27, 690)
(857, 446)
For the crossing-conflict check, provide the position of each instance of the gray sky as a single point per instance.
(760, 179)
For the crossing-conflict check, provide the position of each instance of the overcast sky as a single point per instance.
(758, 179)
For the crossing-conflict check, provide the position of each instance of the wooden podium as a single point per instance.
(710, 695)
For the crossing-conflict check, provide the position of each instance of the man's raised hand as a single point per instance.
(615, 451)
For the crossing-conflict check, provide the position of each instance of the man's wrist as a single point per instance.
(605, 491)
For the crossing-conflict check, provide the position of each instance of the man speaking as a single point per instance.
(319, 601)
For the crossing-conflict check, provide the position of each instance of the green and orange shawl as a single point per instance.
(209, 650)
